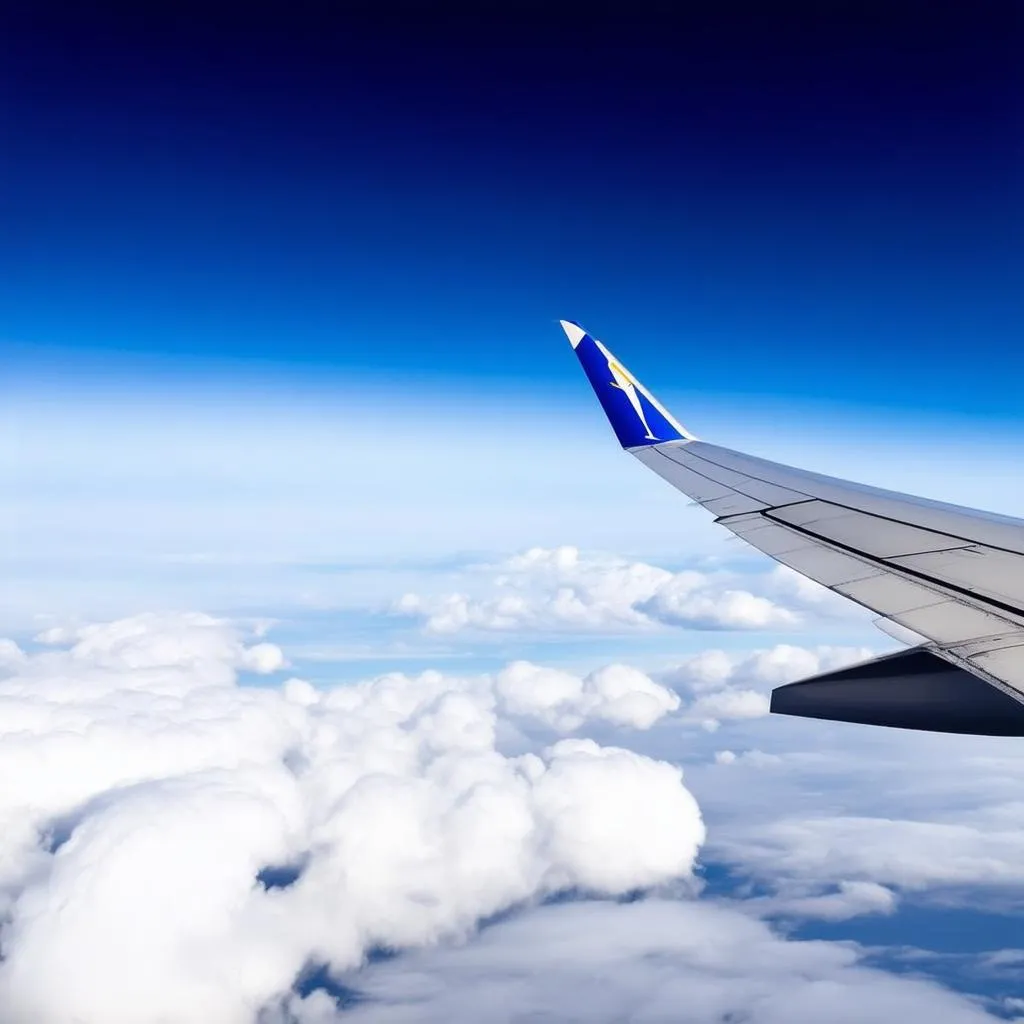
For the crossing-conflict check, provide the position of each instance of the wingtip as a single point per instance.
(573, 332)
(637, 417)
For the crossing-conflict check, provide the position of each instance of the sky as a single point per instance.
(344, 649)
(747, 197)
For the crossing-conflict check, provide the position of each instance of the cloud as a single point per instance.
(756, 757)
(616, 693)
(905, 853)
(682, 961)
(730, 704)
(148, 802)
(271, 496)
(848, 899)
(800, 808)
(169, 652)
(246, 497)
(729, 609)
(562, 590)
(766, 667)
(179, 847)
(720, 685)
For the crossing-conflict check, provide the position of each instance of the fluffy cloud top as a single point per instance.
(616, 693)
(148, 802)
(783, 663)
(721, 686)
(560, 589)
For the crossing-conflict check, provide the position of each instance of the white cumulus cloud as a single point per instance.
(720, 685)
(564, 590)
(766, 667)
(616, 693)
(148, 803)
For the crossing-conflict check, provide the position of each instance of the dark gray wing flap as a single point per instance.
(913, 689)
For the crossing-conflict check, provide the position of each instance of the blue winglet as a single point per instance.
(636, 416)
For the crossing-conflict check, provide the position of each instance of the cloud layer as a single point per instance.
(562, 590)
(177, 847)
(719, 685)
(656, 961)
(152, 809)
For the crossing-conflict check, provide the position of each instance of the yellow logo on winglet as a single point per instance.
(625, 381)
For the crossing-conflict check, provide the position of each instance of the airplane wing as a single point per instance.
(952, 575)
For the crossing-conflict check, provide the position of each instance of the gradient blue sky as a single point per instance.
(279, 292)
(819, 203)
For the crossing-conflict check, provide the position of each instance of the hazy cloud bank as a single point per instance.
(564, 590)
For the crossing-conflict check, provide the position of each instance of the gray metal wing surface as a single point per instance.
(952, 575)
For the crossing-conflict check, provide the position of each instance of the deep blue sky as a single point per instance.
(820, 201)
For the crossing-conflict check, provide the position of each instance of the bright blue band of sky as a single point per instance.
(347, 199)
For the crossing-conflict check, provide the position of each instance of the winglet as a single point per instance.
(573, 332)
(637, 417)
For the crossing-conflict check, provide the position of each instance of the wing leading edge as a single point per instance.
(952, 575)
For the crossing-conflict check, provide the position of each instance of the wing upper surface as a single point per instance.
(953, 575)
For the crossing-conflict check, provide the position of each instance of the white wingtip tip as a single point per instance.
(573, 332)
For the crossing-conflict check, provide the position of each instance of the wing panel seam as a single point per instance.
(724, 520)
(900, 569)
(733, 487)
(851, 508)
